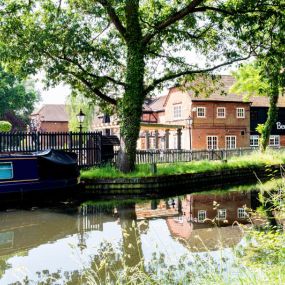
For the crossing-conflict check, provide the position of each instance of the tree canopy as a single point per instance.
(17, 99)
(121, 51)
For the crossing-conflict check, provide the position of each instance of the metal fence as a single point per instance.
(174, 155)
(87, 145)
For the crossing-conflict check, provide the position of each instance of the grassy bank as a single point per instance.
(256, 159)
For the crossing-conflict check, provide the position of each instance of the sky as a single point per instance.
(55, 95)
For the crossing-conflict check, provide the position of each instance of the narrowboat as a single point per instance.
(36, 173)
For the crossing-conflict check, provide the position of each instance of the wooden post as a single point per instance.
(179, 139)
(166, 139)
(156, 139)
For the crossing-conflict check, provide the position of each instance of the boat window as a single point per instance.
(6, 170)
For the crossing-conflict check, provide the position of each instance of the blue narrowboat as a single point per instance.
(46, 171)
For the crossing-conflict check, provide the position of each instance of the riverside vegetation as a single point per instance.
(256, 159)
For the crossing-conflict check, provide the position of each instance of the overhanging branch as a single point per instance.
(95, 90)
(158, 81)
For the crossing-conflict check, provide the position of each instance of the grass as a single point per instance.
(255, 159)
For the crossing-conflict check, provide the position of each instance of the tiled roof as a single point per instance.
(220, 91)
(262, 101)
(157, 103)
(52, 113)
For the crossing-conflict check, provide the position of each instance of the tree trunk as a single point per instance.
(271, 114)
(130, 107)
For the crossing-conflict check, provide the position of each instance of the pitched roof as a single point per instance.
(157, 104)
(262, 101)
(220, 91)
(52, 113)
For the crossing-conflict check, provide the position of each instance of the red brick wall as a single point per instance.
(220, 127)
(54, 127)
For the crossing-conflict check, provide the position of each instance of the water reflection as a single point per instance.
(60, 243)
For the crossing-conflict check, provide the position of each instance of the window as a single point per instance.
(212, 142)
(222, 214)
(177, 111)
(242, 213)
(201, 112)
(254, 140)
(230, 142)
(240, 113)
(221, 112)
(201, 216)
(6, 170)
(274, 140)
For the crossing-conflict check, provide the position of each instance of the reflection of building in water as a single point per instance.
(223, 208)
(200, 212)
(158, 208)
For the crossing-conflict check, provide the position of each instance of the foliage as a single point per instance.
(75, 103)
(121, 51)
(17, 99)
(5, 126)
(249, 81)
(254, 160)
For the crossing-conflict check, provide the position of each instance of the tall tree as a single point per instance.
(121, 51)
(17, 99)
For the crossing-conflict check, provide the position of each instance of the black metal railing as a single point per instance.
(87, 145)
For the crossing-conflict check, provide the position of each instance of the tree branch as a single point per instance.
(86, 83)
(65, 58)
(95, 90)
(172, 19)
(113, 17)
(156, 82)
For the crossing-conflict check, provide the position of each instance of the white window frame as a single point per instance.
(224, 112)
(203, 110)
(241, 213)
(222, 214)
(254, 140)
(232, 140)
(240, 113)
(204, 213)
(275, 139)
(177, 111)
(211, 138)
(7, 166)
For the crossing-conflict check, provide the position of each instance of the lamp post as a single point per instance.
(80, 118)
(189, 122)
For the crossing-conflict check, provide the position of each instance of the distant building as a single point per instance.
(50, 118)
(258, 115)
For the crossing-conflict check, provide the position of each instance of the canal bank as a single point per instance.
(164, 183)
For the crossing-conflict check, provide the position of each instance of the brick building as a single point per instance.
(185, 119)
(219, 120)
(50, 118)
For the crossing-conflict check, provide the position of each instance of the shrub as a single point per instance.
(5, 126)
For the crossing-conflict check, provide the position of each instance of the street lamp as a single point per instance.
(80, 118)
(189, 122)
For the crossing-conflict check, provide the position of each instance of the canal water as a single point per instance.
(58, 245)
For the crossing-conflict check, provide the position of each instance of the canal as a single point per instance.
(73, 243)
